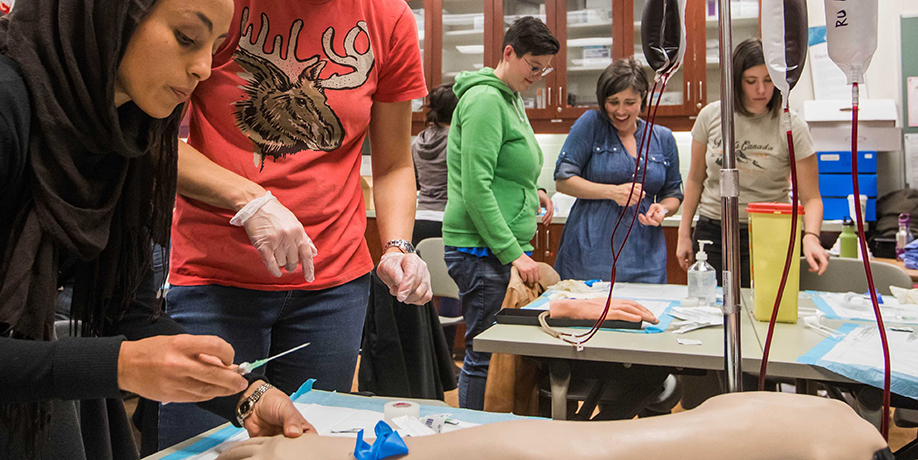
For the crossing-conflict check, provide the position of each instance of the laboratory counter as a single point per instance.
(548, 238)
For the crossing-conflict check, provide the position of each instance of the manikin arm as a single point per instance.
(747, 426)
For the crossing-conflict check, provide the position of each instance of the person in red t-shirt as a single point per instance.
(270, 179)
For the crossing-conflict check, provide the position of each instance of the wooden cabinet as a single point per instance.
(546, 242)
(459, 35)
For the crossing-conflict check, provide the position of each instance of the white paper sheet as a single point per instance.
(650, 291)
(861, 347)
(892, 311)
(911, 159)
(912, 101)
(327, 419)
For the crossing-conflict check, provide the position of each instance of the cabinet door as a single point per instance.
(464, 35)
(745, 24)
(539, 100)
(592, 37)
(419, 10)
(552, 242)
(678, 97)
(536, 243)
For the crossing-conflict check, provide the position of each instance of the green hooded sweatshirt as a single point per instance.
(494, 162)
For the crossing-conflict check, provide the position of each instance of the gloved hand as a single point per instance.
(407, 277)
(277, 235)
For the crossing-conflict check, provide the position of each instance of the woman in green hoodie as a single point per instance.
(493, 161)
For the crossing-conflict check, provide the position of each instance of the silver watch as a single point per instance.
(247, 406)
(403, 245)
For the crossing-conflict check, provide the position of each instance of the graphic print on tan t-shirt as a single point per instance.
(761, 157)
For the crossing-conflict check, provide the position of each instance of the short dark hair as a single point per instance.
(441, 103)
(530, 35)
(621, 75)
(747, 55)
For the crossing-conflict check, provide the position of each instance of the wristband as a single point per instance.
(811, 233)
(250, 209)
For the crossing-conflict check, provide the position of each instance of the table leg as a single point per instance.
(560, 375)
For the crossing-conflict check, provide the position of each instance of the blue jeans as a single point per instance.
(262, 323)
(482, 285)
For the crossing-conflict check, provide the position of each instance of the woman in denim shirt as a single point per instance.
(596, 165)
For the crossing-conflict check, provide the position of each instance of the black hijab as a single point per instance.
(101, 179)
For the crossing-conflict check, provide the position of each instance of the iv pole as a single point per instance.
(729, 192)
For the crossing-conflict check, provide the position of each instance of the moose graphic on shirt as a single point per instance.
(286, 110)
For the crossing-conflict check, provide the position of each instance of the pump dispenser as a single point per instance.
(702, 278)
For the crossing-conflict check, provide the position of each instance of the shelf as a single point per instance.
(589, 26)
(463, 33)
(592, 41)
(578, 69)
(748, 21)
(712, 23)
(470, 49)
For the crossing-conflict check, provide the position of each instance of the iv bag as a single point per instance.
(784, 42)
(663, 34)
(851, 29)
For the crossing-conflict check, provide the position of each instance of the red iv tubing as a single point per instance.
(884, 423)
(580, 339)
(862, 240)
(790, 248)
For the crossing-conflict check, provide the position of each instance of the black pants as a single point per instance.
(710, 229)
(424, 229)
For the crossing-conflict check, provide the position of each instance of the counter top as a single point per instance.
(673, 221)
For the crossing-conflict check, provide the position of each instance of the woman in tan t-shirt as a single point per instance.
(762, 159)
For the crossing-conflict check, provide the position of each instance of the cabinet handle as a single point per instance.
(547, 242)
(700, 95)
(560, 98)
(688, 89)
(548, 99)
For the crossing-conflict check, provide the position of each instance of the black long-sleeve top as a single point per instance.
(70, 368)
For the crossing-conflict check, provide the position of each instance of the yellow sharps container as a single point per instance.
(769, 232)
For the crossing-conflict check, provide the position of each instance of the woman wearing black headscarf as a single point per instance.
(90, 95)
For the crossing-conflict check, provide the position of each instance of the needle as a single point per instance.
(246, 367)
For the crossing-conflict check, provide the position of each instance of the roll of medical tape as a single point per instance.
(399, 408)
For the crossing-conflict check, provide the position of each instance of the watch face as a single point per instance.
(245, 407)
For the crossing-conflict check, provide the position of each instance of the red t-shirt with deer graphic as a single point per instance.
(288, 106)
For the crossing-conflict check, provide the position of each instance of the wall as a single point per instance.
(884, 79)
(883, 76)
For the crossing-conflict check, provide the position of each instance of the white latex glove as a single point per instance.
(407, 277)
(279, 237)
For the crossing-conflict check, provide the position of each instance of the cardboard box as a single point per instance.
(830, 125)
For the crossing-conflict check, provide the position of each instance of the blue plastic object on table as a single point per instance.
(387, 444)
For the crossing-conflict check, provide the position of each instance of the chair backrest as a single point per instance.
(431, 251)
(847, 275)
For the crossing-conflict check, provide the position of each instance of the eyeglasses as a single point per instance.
(538, 70)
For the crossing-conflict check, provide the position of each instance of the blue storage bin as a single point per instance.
(840, 162)
(840, 185)
(837, 209)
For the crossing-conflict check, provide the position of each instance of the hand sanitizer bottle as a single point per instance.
(702, 279)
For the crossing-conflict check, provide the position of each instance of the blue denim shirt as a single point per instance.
(594, 152)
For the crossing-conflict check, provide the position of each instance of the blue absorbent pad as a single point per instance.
(901, 384)
(306, 395)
